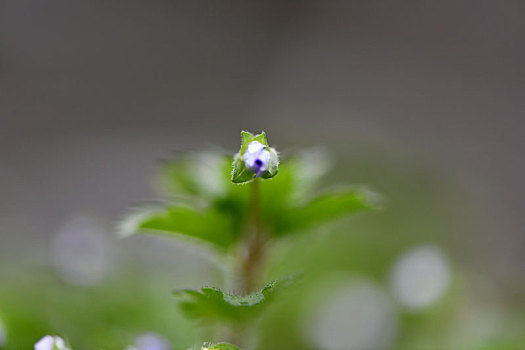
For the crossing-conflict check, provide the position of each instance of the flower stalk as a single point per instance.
(253, 251)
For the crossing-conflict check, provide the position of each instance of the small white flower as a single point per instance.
(51, 343)
(257, 158)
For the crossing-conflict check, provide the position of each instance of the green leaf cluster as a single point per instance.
(203, 206)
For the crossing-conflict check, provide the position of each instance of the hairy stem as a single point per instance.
(250, 263)
(252, 253)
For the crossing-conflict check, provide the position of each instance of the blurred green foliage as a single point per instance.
(108, 316)
(202, 205)
(218, 213)
(224, 215)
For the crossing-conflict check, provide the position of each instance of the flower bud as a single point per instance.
(254, 159)
(257, 158)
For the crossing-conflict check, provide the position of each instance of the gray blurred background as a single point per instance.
(94, 93)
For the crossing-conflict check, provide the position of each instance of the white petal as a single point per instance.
(50, 343)
(257, 151)
(255, 147)
(264, 156)
(60, 344)
(46, 343)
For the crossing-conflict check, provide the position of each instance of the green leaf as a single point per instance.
(240, 174)
(219, 346)
(199, 174)
(309, 168)
(207, 225)
(246, 138)
(210, 304)
(261, 138)
(273, 167)
(330, 206)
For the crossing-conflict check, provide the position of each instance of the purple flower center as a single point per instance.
(258, 164)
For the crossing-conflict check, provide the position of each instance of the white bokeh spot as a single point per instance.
(150, 341)
(420, 277)
(81, 251)
(358, 316)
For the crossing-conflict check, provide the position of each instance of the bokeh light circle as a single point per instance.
(420, 277)
(81, 251)
(353, 315)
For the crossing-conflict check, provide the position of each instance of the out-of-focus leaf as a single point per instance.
(273, 167)
(240, 174)
(199, 174)
(207, 225)
(329, 206)
(219, 346)
(210, 304)
(309, 168)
